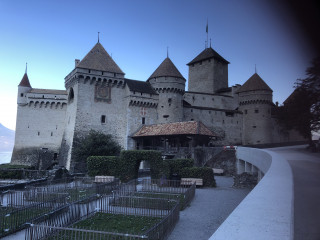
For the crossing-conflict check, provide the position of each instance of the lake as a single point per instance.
(5, 157)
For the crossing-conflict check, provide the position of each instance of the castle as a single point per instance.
(154, 114)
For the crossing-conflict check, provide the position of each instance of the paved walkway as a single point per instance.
(306, 179)
(209, 208)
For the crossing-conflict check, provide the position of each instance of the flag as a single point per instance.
(207, 27)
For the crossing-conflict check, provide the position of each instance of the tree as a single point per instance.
(301, 111)
(94, 144)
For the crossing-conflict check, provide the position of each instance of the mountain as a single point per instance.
(6, 139)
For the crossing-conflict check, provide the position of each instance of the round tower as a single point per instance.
(255, 102)
(168, 82)
(23, 87)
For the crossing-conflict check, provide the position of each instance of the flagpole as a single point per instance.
(207, 34)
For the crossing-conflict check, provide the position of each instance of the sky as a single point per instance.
(50, 35)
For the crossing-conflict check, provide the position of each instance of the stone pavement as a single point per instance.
(209, 208)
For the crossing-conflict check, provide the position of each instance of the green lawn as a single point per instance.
(171, 196)
(118, 223)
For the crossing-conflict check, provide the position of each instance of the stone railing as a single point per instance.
(267, 211)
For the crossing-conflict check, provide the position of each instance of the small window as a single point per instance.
(229, 114)
(21, 94)
(256, 111)
(222, 121)
(191, 119)
(51, 134)
(165, 116)
(103, 118)
(143, 120)
(141, 94)
(245, 111)
(55, 156)
(169, 100)
(254, 126)
(191, 110)
(114, 74)
(89, 71)
(38, 133)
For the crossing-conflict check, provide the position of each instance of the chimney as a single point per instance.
(76, 62)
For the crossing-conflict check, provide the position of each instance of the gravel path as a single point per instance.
(209, 208)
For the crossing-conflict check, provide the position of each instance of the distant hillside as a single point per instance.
(6, 139)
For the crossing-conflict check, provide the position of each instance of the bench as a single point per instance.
(190, 181)
(103, 179)
(218, 171)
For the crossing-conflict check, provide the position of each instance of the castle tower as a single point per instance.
(23, 87)
(255, 102)
(96, 100)
(208, 72)
(170, 85)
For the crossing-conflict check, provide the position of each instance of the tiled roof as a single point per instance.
(99, 59)
(177, 128)
(25, 81)
(208, 53)
(48, 91)
(140, 86)
(166, 69)
(254, 83)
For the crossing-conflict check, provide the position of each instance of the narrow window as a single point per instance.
(245, 111)
(21, 94)
(55, 156)
(38, 133)
(51, 134)
(256, 111)
(89, 71)
(103, 118)
(143, 120)
(254, 126)
(222, 121)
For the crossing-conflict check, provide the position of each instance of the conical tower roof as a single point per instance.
(99, 59)
(166, 69)
(208, 53)
(25, 81)
(254, 83)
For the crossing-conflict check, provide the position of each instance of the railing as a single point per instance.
(13, 218)
(53, 228)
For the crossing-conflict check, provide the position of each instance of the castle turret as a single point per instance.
(96, 100)
(170, 85)
(208, 72)
(255, 101)
(23, 87)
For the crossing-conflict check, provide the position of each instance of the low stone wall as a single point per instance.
(267, 211)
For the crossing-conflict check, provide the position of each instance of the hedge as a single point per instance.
(174, 166)
(103, 165)
(200, 172)
(126, 166)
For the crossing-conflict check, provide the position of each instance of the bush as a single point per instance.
(103, 165)
(94, 144)
(126, 166)
(11, 174)
(174, 166)
(200, 172)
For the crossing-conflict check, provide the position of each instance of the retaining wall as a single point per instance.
(267, 211)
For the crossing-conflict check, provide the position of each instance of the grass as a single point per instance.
(118, 223)
(139, 202)
(16, 218)
(169, 196)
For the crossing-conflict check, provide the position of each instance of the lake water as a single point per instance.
(5, 157)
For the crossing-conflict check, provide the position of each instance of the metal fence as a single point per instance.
(53, 228)
(13, 218)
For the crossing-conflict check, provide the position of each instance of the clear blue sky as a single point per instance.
(49, 35)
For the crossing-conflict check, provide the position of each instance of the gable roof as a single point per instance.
(25, 81)
(208, 53)
(98, 59)
(254, 83)
(140, 86)
(166, 69)
(176, 128)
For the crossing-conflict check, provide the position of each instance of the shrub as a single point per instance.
(174, 166)
(200, 172)
(94, 144)
(103, 165)
(126, 166)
